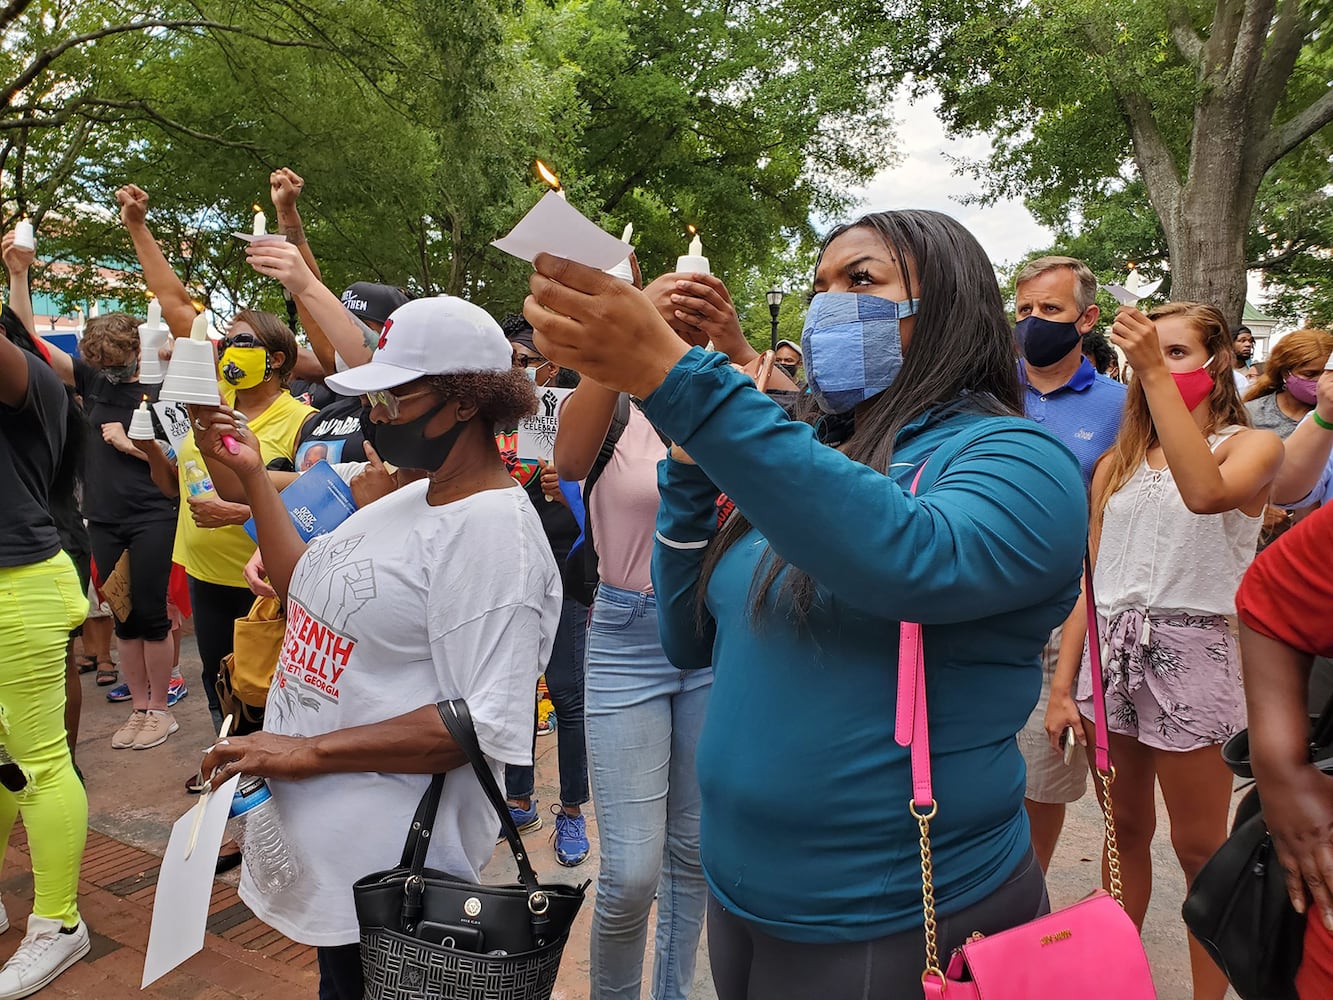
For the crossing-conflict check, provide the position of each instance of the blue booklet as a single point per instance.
(318, 502)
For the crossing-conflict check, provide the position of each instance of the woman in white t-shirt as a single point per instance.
(445, 588)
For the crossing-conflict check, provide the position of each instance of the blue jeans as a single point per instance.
(643, 718)
(564, 679)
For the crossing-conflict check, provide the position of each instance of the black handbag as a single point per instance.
(425, 933)
(1238, 907)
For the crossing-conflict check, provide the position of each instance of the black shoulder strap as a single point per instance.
(619, 421)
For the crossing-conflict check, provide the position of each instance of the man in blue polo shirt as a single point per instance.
(1053, 301)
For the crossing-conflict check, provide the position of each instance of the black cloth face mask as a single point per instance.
(406, 445)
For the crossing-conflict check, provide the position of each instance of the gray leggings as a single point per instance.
(750, 964)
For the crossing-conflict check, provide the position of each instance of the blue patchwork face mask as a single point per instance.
(852, 347)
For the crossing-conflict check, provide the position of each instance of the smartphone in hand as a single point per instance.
(1068, 743)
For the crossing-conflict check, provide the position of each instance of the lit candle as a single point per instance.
(260, 227)
(548, 175)
(141, 424)
(199, 329)
(694, 261)
(154, 311)
(23, 235)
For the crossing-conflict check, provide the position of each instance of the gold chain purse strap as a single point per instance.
(911, 730)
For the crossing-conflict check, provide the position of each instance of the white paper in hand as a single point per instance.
(536, 434)
(556, 227)
(1120, 293)
(252, 238)
(185, 888)
(1328, 366)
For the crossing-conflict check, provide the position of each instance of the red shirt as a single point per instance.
(1287, 593)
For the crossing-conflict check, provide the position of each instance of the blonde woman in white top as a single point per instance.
(1177, 504)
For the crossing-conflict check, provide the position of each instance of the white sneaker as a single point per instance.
(44, 954)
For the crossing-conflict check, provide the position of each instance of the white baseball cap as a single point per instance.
(442, 335)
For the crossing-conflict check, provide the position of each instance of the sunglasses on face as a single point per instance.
(390, 402)
(529, 361)
(240, 340)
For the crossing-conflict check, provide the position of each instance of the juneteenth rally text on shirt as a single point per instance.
(313, 652)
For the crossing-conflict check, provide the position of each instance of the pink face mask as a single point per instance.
(1194, 386)
(1304, 390)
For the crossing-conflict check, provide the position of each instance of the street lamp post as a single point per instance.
(774, 296)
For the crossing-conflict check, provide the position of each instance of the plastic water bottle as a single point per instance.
(197, 482)
(271, 865)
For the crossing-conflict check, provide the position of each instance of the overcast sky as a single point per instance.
(923, 178)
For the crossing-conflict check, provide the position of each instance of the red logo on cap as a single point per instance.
(384, 334)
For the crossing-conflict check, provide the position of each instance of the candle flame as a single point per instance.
(548, 175)
(1130, 264)
(691, 230)
(151, 296)
(256, 208)
(198, 306)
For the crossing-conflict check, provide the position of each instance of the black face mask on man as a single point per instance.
(1044, 341)
(406, 445)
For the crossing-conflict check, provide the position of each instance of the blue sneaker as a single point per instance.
(176, 690)
(121, 692)
(571, 838)
(525, 819)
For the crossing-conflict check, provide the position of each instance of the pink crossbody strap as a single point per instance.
(910, 727)
(1101, 742)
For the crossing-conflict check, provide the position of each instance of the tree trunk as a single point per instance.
(1208, 256)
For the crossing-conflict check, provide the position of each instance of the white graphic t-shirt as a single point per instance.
(402, 605)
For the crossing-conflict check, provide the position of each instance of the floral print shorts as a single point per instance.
(1180, 690)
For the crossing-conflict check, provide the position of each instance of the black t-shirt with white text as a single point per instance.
(333, 434)
(117, 488)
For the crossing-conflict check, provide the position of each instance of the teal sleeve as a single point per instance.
(995, 531)
(686, 521)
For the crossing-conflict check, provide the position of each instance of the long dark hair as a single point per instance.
(962, 352)
(69, 467)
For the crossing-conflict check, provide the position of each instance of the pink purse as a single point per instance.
(1090, 949)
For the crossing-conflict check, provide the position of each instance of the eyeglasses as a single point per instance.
(390, 402)
(529, 360)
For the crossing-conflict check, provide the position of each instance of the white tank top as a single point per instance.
(1157, 554)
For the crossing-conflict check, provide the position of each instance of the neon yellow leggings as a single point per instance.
(39, 604)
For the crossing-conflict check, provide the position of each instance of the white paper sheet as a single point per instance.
(185, 888)
(175, 419)
(1328, 365)
(1120, 293)
(556, 227)
(252, 238)
(536, 434)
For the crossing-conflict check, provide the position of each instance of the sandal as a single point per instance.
(108, 675)
(86, 664)
(194, 785)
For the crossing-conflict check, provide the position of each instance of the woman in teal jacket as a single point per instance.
(809, 849)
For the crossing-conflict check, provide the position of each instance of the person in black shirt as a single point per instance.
(127, 514)
(40, 602)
